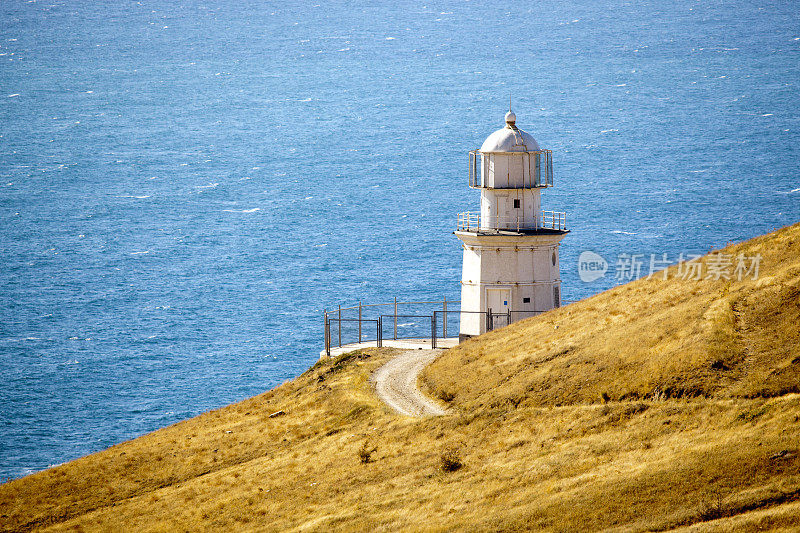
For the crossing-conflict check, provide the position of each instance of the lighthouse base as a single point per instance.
(507, 277)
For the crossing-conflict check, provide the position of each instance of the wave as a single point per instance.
(139, 253)
(209, 186)
(133, 196)
(620, 232)
(241, 210)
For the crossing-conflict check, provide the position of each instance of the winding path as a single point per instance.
(396, 384)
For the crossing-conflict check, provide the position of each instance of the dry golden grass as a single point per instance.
(654, 406)
(648, 339)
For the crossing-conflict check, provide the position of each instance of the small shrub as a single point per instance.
(446, 396)
(365, 453)
(752, 413)
(711, 506)
(450, 460)
(635, 409)
(720, 364)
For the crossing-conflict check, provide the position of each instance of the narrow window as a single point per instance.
(526, 300)
(516, 203)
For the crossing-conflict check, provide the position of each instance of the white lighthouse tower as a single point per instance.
(511, 268)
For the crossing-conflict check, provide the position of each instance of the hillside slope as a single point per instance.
(653, 338)
(662, 404)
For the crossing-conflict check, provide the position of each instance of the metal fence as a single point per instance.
(371, 322)
(366, 323)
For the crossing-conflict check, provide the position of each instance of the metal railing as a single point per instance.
(334, 322)
(346, 325)
(536, 169)
(554, 220)
(471, 221)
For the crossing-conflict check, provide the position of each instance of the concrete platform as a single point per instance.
(405, 344)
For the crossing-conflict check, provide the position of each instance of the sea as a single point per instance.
(186, 187)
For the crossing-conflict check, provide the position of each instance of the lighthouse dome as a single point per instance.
(510, 138)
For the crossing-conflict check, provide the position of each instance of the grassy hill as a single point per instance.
(658, 405)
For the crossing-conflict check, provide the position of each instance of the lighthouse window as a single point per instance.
(516, 203)
(554, 259)
(526, 300)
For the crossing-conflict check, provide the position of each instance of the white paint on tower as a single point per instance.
(511, 268)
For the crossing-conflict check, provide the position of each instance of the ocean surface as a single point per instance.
(186, 186)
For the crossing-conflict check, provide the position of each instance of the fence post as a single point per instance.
(433, 330)
(327, 334)
(359, 321)
(340, 325)
(444, 319)
(395, 318)
(489, 319)
(380, 332)
(508, 320)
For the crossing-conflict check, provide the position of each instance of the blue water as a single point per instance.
(184, 188)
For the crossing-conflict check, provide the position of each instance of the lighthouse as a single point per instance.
(510, 269)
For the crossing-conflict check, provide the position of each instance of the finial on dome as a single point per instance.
(511, 118)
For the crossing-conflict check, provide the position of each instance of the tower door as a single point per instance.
(499, 301)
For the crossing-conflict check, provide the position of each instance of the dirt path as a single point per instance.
(396, 383)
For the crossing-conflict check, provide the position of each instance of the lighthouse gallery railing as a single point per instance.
(553, 220)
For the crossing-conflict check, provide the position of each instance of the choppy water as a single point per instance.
(184, 187)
